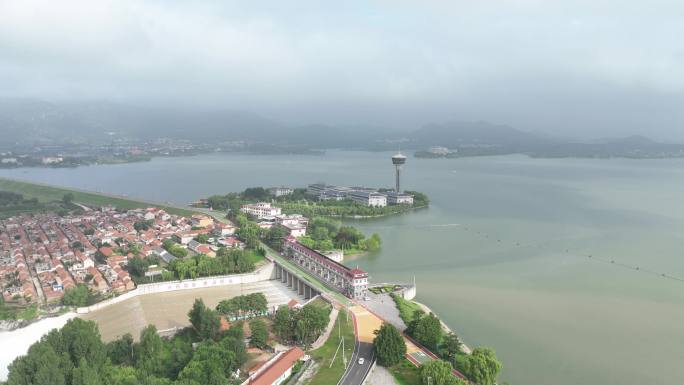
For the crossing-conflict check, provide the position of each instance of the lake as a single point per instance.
(502, 254)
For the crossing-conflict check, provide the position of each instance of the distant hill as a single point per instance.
(33, 122)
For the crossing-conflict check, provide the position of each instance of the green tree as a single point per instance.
(451, 346)
(481, 367)
(202, 238)
(121, 351)
(428, 331)
(275, 235)
(210, 365)
(80, 339)
(149, 352)
(76, 296)
(137, 266)
(282, 324)
(438, 372)
(40, 365)
(67, 198)
(373, 243)
(205, 321)
(389, 345)
(259, 334)
(84, 374)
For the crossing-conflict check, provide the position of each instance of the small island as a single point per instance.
(323, 200)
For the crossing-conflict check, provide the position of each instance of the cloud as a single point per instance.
(377, 62)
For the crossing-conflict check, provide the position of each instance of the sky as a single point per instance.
(575, 68)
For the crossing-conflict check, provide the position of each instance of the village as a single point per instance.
(42, 256)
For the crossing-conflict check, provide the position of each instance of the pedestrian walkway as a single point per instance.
(324, 337)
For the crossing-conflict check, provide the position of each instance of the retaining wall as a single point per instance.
(264, 273)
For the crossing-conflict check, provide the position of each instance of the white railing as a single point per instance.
(264, 273)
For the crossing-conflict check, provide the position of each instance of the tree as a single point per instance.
(481, 366)
(84, 374)
(428, 331)
(149, 352)
(80, 339)
(438, 372)
(210, 365)
(121, 351)
(373, 243)
(275, 235)
(40, 365)
(259, 334)
(389, 345)
(205, 321)
(451, 346)
(282, 324)
(68, 198)
(76, 296)
(137, 266)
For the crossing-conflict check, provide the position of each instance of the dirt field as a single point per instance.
(170, 310)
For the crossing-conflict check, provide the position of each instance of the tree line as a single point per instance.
(248, 305)
(481, 366)
(300, 326)
(328, 234)
(76, 355)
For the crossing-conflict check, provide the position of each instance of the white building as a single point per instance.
(52, 159)
(399, 199)
(280, 191)
(260, 210)
(296, 230)
(369, 198)
(292, 219)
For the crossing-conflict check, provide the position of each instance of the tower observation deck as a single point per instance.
(398, 160)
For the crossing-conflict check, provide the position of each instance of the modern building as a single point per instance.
(280, 191)
(260, 210)
(295, 230)
(439, 150)
(369, 198)
(277, 369)
(394, 198)
(351, 282)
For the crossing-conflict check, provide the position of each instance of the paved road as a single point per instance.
(356, 373)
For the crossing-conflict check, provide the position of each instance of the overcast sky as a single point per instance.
(585, 68)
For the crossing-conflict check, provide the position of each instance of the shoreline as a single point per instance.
(445, 327)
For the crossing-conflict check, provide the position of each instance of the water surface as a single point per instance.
(502, 253)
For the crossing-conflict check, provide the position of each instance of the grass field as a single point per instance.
(406, 308)
(47, 194)
(320, 302)
(405, 373)
(326, 374)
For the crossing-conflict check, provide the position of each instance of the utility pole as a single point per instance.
(344, 355)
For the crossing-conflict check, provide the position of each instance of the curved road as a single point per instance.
(356, 373)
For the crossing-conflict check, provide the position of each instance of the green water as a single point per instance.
(502, 253)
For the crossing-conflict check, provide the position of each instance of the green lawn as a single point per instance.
(256, 258)
(48, 194)
(405, 373)
(327, 375)
(320, 302)
(406, 308)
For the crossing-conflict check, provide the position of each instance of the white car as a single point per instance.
(361, 361)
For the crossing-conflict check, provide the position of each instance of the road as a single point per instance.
(356, 373)
(365, 323)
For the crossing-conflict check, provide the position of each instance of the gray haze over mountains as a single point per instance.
(333, 71)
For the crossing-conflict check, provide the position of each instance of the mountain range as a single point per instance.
(29, 122)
